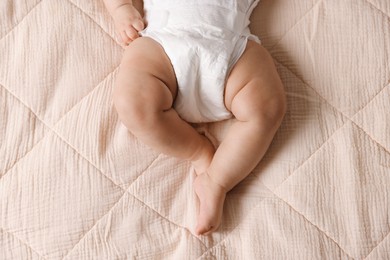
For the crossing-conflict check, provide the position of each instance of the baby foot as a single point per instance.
(211, 198)
(203, 157)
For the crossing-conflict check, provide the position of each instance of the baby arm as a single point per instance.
(127, 19)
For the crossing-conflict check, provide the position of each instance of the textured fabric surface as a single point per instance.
(74, 184)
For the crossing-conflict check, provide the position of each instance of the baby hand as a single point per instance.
(128, 22)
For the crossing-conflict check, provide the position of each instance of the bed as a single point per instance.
(75, 184)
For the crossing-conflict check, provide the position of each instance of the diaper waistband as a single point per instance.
(190, 16)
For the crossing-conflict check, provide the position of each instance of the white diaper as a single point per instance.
(203, 39)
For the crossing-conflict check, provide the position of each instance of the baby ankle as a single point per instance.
(216, 183)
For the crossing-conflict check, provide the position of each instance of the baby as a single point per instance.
(192, 61)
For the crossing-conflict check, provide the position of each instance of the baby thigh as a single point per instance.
(254, 89)
(143, 96)
(145, 84)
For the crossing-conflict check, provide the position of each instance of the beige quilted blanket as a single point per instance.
(74, 184)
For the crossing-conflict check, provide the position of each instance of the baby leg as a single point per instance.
(255, 95)
(144, 92)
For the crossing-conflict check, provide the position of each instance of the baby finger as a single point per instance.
(125, 39)
(139, 25)
(132, 33)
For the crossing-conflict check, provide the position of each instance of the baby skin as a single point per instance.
(144, 93)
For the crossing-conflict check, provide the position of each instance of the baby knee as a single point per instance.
(140, 103)
(260, 106)
(269, 113)
(274, 109)
(133, 109)
(272, 104)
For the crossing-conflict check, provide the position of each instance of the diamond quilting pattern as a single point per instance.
(346, 198)
(171, 180)
(69, 161)
(25, 131)
(20, 9)
(276, 231)
(356, 50)
(381, 251)
(382, 6)
(51, 197)
(96, 11)
(308, 124)
(65, 67)
(278, 18)
(12, 248)
(377, 125)
(106, 143)
(123, 236)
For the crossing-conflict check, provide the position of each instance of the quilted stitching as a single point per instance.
(295, 24)
(223, 250)
(29, 248)
(25, 105)
(18, 22)
(98, 24)
(318, 228)
(378, 8)
(40, 120)
(350, 118)
(127, 192)
(371, 184)
(378, 135)
(375, 253)
(210, 247)
(20, 157)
